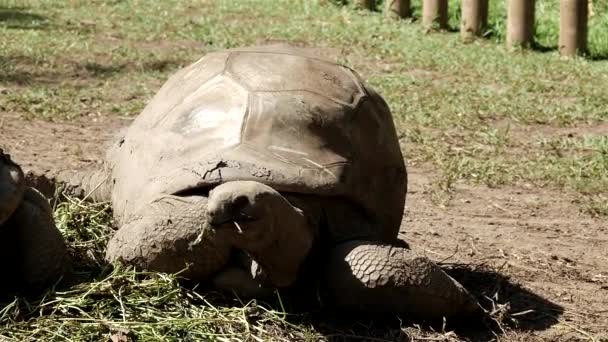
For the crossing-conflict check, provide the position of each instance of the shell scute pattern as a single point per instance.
(369, 266)
(170, 100)
(266, 72)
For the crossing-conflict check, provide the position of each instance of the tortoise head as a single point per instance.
(239, 202)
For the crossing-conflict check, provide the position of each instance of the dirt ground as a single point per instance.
(529, 247)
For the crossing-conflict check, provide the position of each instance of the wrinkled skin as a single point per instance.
(31, 248)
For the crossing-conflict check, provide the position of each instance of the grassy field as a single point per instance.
(475, 113)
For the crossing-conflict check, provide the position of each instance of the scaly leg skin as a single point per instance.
(171, 234)
(377, 278)
(33, 248)
(276, 235)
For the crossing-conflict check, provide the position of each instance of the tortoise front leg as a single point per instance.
(171, 234)
(378, 278)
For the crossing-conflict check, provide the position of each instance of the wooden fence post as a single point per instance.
(398, 8)
(435, 12)
(366, 4)
(474, 18)
(573, 27)
(520, 23)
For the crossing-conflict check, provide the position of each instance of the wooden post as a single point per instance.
(366, 4)
(573, 27)
(398, 8)
(474, 18)
(435, 12)
(520, 23)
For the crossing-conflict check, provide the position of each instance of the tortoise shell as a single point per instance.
(276, 115)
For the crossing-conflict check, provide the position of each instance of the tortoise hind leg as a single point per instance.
(94, 185)
(378, 278)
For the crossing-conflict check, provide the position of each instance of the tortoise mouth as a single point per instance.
(240, 217)
(217, 220)
(196, 191)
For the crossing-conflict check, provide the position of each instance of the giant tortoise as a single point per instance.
(280, 156)
(32, 252)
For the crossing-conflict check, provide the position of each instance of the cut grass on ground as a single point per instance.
(148, 306)
(99, 301)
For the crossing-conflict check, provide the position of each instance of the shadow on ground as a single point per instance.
(25, 70)
(508, 302)
(592, 56)
(20, 18)
(510, 307)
